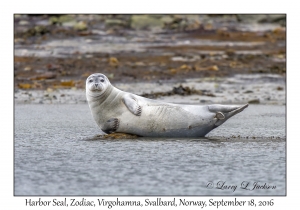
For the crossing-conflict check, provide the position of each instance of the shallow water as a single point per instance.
(55, 154)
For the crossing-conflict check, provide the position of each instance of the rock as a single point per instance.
(19, 40)
(27, 68)
(69, 24)
(49, 90)
(230, 52)
(43, 22)
(274, 18)
(68, 83)
(53, 67)
(53, 20)
(209, 68)
(250, 18)
(193, 22)
(115, 23)
(80, 26)
(208, 26)
(37, 30)
(261, 18)
(46, 75)
(181, 90)
(254, 101)
(279, 88)
(167, 19)
(23, 22)
(181, 22)
(173, 71)
(186, 58)
(213, 68)
(113, 61)
(279, 30)
(25, 86)
(144, 22)
(61, 19)
(248, 91)
(185, 67)
(65, 18)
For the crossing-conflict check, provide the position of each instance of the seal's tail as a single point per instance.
(224, 112)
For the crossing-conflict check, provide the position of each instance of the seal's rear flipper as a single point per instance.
(224, 112)
(220, 116)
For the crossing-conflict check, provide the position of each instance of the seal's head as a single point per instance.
(96, 85)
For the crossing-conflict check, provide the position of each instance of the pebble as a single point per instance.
(23, 22)
(248, 91)
(27, 68)
(254, 101)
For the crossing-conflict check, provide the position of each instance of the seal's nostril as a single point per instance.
(96, 85)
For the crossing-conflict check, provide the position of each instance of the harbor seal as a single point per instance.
(118, 111)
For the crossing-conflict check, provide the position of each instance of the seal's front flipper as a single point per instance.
(111, 125)
(131, 103)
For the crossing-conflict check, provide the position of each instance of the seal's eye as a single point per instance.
(102, 80)
(90, 80)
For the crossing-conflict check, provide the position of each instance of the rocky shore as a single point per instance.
(176, 58)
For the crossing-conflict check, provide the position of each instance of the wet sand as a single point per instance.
(57, 152)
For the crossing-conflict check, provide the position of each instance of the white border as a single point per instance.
(154, 6)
